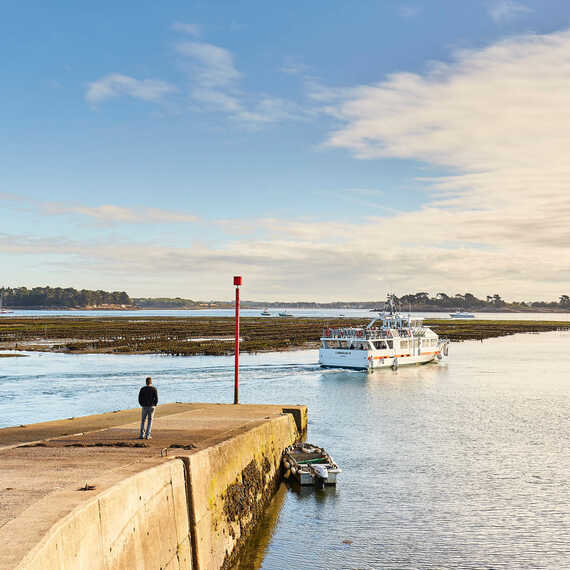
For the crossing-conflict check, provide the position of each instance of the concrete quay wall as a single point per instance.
(140, 522)
(230, 484)
(192, 510)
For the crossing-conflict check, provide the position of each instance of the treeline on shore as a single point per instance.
(442, 301)
(59, 297)
(422, 301)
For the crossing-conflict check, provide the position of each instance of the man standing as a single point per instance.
(148, 399)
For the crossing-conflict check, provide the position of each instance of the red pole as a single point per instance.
(237, 283)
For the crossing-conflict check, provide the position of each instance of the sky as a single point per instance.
(325, 150)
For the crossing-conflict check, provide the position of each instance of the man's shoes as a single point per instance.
(148, 437)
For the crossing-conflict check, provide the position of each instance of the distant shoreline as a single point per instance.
(447, 310)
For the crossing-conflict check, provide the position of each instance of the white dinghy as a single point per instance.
(310, 465)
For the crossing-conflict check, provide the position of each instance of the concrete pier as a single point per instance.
(86, 493)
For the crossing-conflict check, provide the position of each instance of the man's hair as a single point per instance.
(148, 381)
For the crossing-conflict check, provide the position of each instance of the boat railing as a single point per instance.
(370, 334)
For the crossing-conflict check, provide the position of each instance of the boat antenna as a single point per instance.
(391, 302)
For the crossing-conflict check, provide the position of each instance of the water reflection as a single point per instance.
(252, 555)
(318, 496)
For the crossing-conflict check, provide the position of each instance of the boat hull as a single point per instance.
(367, 360)
(304, 478)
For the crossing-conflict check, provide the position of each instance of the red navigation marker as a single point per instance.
(237, 283)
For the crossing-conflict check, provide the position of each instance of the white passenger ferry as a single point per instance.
(399, 340)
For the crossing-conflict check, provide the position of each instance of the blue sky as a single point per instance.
(330, 150)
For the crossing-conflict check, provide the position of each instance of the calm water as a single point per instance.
(462, 465)
(330, 313)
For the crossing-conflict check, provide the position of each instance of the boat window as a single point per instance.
(390, 344)
(403, 344)
(380, 345)
(342, 344)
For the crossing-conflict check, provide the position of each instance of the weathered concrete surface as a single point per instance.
(49, 430)
(45, 521)
(138, 522)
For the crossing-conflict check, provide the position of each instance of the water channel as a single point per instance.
(457, 465)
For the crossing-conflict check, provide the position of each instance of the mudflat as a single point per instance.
(214, 335)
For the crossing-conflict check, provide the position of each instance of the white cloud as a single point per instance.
(212, 66)
(505, 10)
(293, 66)
(217, 100)
(109, 213)
(105, 213)
(408, 11)
(190, 29)
(116, 85)
(498, 108)
(215, 85)
(272, 110)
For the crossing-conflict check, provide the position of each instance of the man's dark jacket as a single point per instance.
(148, 396)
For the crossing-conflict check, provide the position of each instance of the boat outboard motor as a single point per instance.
(321, 475)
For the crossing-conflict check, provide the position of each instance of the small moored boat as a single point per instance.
(310, 465)
(285, 314)
(265, 313)
(461, 315)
